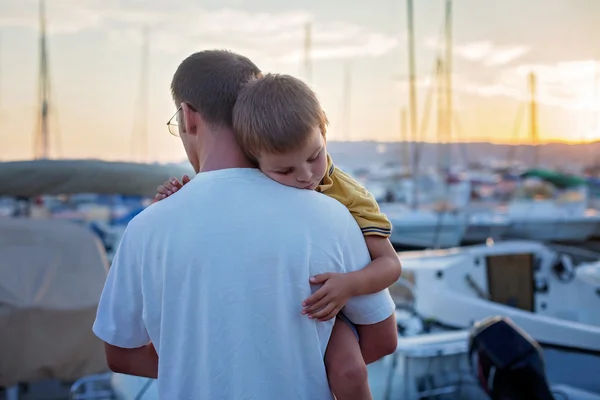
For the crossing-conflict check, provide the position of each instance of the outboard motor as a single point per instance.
(508, 363)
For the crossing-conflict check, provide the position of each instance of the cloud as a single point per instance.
(484, 51)
(572, 85)
(276, 36)
(65, 19)
(505, 55)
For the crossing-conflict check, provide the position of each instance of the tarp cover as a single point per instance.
(51, 276)
(56, 177)
(561, 181)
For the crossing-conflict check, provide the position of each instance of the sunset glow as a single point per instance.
(95, 53)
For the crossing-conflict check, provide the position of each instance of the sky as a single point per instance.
(95, 56)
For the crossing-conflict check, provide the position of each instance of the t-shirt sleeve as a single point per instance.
(119, 319)
(361, 204)
(367, 309)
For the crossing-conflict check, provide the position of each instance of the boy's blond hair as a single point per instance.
(276, 114)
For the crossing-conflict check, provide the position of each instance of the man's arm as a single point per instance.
(119, 322)
(378, 340)
(373, 314)
(141, 361)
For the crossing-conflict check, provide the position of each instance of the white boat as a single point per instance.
(425, 228)
(439, 221)
(590, 273)
(541, 211)
(423, 366)
(484, 225)
(447, 289)
(547, 221)
(537, 286)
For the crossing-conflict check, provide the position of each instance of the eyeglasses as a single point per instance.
(173, 123)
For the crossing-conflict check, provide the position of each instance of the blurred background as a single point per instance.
(109, 65)
(474, 123)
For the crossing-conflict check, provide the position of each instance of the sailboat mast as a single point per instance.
(595, 119)
(0, 80)
(412, 95)
(42, 133)
(307, 52)
(441, 113)
(447, 65)
(533, 118)
(405, 139)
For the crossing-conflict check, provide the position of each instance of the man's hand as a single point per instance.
(327, 302)
(170, 187)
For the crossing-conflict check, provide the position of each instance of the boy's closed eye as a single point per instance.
(285, 171)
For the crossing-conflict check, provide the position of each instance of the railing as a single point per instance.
(93, 387)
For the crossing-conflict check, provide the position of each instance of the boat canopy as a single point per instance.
(51, 277)
(56, 177)
(561, 181)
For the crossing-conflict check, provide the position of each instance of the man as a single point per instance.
(212, 278)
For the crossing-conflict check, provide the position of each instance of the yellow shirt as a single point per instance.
(361, 204)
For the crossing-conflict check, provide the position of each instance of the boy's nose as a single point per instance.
(304, 175)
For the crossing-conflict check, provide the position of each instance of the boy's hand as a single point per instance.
(170, 187)
(326, 302)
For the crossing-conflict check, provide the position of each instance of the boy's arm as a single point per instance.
(373, 314)
(385, 268)
(338, 288)
(381, 273)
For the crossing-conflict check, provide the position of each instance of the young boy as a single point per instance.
(279, 123)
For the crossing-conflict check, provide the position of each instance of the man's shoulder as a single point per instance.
(149, 216)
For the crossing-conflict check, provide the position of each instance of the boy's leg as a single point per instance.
(346, 370)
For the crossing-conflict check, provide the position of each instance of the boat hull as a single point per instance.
(560, 230)
(424, 228)
(486, 225)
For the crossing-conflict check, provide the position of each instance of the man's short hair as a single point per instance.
(276, 113)
(210, 81)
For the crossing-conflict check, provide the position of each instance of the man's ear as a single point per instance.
(189, 121)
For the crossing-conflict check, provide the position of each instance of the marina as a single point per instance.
(549, 290)
(500, 257)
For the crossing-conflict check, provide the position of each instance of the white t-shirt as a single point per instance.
(215, 276)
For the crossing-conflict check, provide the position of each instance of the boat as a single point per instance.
(425, 228)
(51, 276)
(550, 206)
(538, 286)
(476, 363)
(53, 270)
(484, 225)
(494, 359)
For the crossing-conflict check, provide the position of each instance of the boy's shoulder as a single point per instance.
(338, 181)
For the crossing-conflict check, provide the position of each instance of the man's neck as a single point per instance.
(215, 162)
(221, 151)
